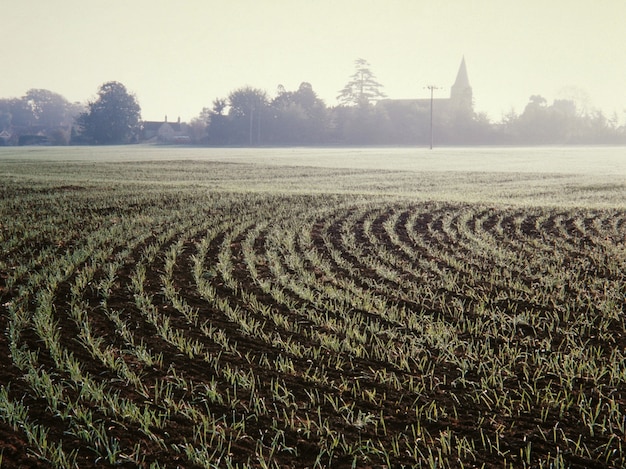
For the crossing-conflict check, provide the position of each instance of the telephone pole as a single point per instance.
(251, 122)
(432, 89)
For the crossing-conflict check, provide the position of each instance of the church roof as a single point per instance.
(461, 77)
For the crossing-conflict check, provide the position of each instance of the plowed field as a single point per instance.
(154, 315)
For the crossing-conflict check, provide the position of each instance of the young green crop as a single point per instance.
(154, 318)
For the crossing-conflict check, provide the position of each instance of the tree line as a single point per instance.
(249, 116)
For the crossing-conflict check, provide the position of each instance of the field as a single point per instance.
(164, 307)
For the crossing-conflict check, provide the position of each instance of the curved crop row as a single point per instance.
(162, 327)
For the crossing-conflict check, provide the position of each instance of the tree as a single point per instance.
(535, 124)
(245, 101)
(48, 108)
(38, 107)
(198, 126)
(18, 112)
(219, 104)
(299, 117)
(5, 117)
(216, 122)
(361, 125)
(113, 117)
(362, 88)
(245, 120)
(247, 112)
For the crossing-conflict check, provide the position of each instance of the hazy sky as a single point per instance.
(177, 57)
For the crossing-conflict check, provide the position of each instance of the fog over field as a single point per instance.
(556, 176)
(597, 160)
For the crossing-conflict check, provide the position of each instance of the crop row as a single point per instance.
(156, 326)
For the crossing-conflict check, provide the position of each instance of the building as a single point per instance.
(5, 136)
(164, 132)
(460, 103)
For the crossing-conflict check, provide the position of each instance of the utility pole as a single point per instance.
(251, 122)
(432, 89)
(258, 128)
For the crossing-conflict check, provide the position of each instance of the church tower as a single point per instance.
(461, 92)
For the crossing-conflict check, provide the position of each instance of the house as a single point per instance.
(164, 132)
(5, 136)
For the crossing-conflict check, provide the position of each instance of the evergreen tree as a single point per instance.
(362, 88)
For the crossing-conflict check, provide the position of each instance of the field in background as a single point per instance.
(588, 176)
(603, 160)
(166, 307)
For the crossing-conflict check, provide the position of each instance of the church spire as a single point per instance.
(461, 77)
(461, 91)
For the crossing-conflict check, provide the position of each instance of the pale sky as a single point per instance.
(178, 56)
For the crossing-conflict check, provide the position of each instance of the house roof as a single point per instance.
(154, 126)
(421, 102)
